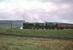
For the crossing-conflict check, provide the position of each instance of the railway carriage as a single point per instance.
(48, 25)
(64, 26)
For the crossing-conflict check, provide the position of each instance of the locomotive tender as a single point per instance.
(48, 25)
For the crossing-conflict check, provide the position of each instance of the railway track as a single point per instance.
(48, 37)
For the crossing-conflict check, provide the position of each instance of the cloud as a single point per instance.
(57, 1)
(37, 10)
(9, 16)
(1, 0)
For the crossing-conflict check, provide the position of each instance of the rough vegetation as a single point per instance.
(23, 43)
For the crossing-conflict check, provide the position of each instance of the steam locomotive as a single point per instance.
(49, 25)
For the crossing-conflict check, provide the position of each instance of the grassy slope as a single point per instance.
(48, 33)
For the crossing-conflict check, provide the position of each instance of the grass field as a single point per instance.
(30, 43)
(67, 33)
(23, 43)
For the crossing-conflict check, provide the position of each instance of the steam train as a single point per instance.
(49, 25)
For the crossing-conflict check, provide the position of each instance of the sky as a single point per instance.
(37, 10)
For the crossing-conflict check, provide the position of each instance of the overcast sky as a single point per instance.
(37, 10)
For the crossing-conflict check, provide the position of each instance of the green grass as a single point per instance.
(68, 33)
(29, 43)
(22, 43)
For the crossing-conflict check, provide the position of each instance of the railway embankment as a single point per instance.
(53, 34)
